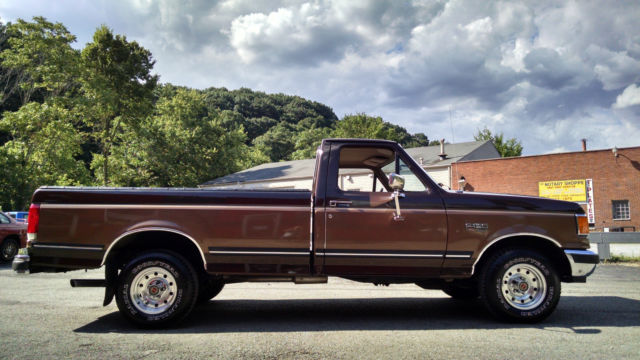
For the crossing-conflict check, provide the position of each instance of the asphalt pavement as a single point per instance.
(42, 317)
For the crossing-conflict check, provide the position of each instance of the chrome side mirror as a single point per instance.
(396, 182)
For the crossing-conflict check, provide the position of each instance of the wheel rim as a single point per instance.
(153, 290)
(9, 249)
(523, 286)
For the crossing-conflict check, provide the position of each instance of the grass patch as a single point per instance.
(614, 259)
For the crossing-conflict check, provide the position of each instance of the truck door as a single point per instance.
(363, 235)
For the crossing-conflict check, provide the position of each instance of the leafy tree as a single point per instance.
(118, 87)
(364, 126)
(182, 144)
(277, 143)
(42, 151)
(38, 60)
(511, 147)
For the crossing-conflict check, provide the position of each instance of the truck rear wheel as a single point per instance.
(519, 285)
(158, 288)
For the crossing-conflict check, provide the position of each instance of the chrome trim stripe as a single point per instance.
(473, 267)
(381, 255)
(458, 256)
(104, 258)
(494, 212)
(219, 252)
(69, 247)
(174, 207)
(385, 210)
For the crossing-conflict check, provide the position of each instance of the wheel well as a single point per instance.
(543, 246)
(131, 245)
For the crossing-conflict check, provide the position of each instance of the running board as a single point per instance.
(88, 283)
(273, 279)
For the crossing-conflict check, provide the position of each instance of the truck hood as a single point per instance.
(454, 200)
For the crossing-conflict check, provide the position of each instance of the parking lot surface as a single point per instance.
(42, 317)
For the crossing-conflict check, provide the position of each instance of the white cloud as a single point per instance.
(629, 97)
(548, 73)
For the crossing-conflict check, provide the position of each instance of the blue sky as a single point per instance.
(546, 72)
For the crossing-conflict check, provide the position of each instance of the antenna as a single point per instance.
(453, 141)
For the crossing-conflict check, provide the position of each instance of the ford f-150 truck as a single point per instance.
(165, 250)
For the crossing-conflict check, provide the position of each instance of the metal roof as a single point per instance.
(427, 156)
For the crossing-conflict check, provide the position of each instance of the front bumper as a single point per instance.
(582, 262)
(21, 261)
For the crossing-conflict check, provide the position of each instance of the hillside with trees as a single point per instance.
(99, 116)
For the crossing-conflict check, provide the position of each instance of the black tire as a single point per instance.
(157, 289)
(520, 286)
(210, 287)
(461, 291)
(9, 249)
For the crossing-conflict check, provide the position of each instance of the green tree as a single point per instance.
(117, 87)
(42, 151)
(182, 144)
(365, 127)
(38, 59)
(510, 147)
(278, 143)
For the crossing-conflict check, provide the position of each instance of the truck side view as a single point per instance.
(166, 250)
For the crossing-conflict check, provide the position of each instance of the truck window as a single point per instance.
(4, 219)
(412, 182)
(365, 169)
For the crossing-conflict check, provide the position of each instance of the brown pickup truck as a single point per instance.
(165, 250)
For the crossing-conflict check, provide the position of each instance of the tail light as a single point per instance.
(33, 220)
(583, 224)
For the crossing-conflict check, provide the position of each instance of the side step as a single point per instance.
(88, 283)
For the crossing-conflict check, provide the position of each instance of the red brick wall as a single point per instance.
(613, 178)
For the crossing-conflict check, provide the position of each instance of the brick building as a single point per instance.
(614, 175)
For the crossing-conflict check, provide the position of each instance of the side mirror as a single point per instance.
(396, 182)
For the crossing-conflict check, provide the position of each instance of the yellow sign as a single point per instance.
(568, 190)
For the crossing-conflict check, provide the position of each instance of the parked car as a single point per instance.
(20, 216)
(13, 236)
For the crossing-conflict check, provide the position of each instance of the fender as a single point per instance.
(153, 228)
(508, 236)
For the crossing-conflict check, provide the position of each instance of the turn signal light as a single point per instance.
(583, 224)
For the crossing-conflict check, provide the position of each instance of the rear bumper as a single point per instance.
(21, 261)
(582, 262)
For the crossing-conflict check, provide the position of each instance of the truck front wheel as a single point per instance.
(519, 285)
(158, 288)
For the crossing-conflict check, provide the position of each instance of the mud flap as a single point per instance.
(111, 279)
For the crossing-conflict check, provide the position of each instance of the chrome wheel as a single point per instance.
(523, 286)
(153, 290)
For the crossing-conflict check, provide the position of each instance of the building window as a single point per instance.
(621, 210)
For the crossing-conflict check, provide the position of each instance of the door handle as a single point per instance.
(338, 203)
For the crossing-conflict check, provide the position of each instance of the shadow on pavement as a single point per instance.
(576, 314)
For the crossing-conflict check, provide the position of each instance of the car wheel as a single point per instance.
(158, 288)
(210, 287)
(8, 249)
(519, 285)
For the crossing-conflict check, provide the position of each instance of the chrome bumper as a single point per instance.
(583, 262)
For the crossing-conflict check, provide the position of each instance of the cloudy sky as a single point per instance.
(546, 72)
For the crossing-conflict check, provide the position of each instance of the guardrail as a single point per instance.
(603, 239)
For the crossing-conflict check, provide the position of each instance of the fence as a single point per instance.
(603, 239)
